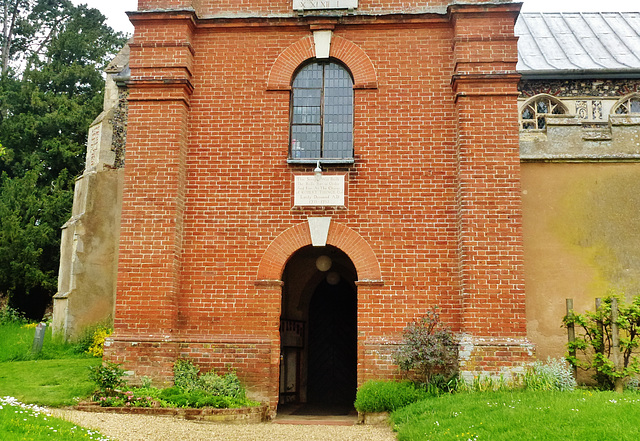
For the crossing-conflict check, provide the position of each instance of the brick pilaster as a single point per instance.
(155, 172)
(488, 172)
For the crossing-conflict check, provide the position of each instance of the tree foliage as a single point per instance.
(594, 344)
(50, 91)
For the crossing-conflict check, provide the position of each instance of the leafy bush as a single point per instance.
(633, 384)
(208, 389)
(185, 375)
(190, 389)
(199, 398)
(228, 385)
(10, 315)
(387, 396)
(91, 339)
(135, 397)
(108, 376)
(595, 344)
(428, 348)
(96, 348)
(555, 374)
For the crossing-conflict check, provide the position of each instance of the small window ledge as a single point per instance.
(321, 160)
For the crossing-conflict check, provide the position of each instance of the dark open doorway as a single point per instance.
(333, 356)
(318, 330)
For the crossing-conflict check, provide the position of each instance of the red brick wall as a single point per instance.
(212, 7)
(433, 192)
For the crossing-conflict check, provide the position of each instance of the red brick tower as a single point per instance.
(236, 254)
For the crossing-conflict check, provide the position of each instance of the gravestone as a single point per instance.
(38, 338)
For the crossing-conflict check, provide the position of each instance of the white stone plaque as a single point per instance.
(93, 145)
(319, 191)
(324, 4)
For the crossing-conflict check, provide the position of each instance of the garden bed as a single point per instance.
(244, 415)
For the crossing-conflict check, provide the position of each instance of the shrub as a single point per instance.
(146, 382)
(199, 398)
(96, 348)
(228, 385)
(108, 376)
(555, 374)
(633, 384)
(10, 315)
(185, 375)
(387, 396)
(595, 343)
(428, 348)
(193, 389)
(91, 338)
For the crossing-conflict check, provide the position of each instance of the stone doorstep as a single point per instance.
(248, 415)
(320, 421)
(373, 418)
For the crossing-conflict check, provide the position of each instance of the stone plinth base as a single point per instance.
(494, 357)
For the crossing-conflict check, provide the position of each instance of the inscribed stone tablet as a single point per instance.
(324, 4)
(93, 145)
(319, 191)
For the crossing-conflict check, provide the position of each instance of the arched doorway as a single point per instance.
(318, 331)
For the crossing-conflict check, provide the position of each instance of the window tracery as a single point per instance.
(628, 105)
(535, 111)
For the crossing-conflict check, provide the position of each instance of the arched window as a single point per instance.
(535, 111)
(322, 114)
(627, 105)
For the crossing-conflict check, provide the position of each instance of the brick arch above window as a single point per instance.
(292, 239)
(361, 67)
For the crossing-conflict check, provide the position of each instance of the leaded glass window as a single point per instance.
(534, 113)
(628, 106)
(322, 113)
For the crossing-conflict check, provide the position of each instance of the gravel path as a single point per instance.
(152, 428)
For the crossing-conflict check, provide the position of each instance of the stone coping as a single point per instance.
(244, 415)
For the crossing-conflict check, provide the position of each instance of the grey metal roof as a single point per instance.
(578, 42)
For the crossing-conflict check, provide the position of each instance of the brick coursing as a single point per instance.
(432, 213)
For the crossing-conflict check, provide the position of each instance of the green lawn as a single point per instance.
(20, 422)
(58, 376)
(16, 341)
(582, 415)
(53, 383)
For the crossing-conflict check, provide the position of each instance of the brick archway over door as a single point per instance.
(351, 243)
(361, 67)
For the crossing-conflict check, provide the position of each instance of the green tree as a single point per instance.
(45, 111)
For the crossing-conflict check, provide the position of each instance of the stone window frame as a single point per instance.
(627, 105)
(534, 112)
(295, 152)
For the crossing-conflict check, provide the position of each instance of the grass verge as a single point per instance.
(19, 422)
(504, 416)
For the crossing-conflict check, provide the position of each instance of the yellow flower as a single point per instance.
(97, 346)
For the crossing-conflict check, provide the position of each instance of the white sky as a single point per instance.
(114, 10)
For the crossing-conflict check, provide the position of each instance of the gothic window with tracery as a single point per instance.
(535, 111)
(628, 105)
